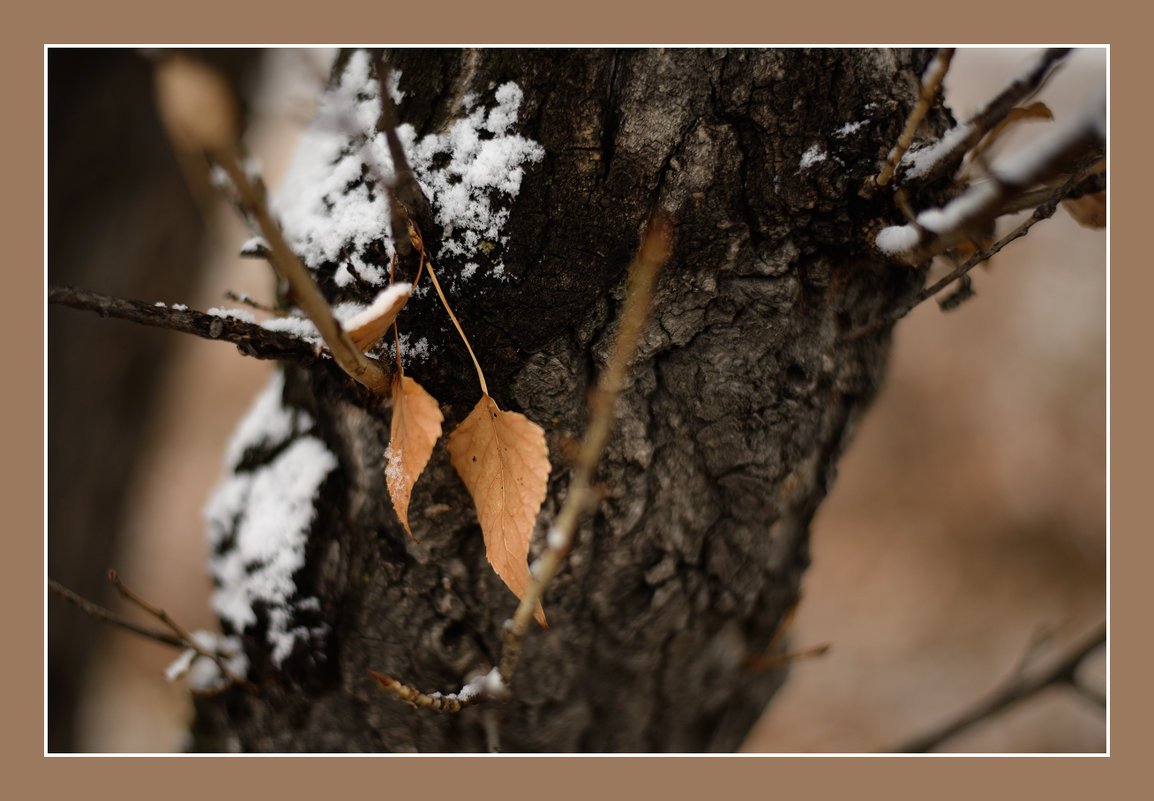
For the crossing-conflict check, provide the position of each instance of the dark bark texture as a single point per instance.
(744, 394)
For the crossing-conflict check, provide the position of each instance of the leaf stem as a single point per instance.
(453, 317)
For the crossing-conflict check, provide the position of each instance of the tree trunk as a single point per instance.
(744, 394)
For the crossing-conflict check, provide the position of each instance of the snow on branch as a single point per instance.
(935, 231)
(924, 165)
(250, 338)
(931, 80)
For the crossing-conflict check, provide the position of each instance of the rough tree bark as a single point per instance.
(744, 394)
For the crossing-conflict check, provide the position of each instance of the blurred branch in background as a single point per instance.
(1063, 670)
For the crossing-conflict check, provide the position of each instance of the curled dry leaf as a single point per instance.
(1088, 210)
(416, 427)
(504, 462)
(367, 326)
(1034, 111)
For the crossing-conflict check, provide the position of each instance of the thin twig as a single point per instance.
(953, 149)
(654, 252)
(1063, 670)
(100, 613)
(1076, 145)
(408, 191)
(185, 639)
(778, 660)
(369, 372)
(250, 339)
(768, 659)
(931, 80)
(247, 300)
(453, 702)
(1042, 212)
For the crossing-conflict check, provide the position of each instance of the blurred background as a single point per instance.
(966, 532)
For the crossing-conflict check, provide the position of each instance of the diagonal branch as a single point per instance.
(654, 252)
(1080, 141)
(1042, 212)
(1063, 670)
(185, 638)
(108, 616)
(366, 371)
(932, 162)
(931, 80)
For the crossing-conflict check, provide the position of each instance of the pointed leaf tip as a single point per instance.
(504, 462)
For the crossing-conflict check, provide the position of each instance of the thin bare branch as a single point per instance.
(1063, 670)
(944, 157)
(250, 338)
(185, 639)
(654, 252)
(1042, 212)
(931, 81)
(100, 613)
(369, 372)
(1081, 141)
(178, 638)
(438, 702)
(407, 189)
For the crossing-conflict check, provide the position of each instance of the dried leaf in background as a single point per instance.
(1088, 210)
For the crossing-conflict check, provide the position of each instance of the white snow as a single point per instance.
(301, 327)
(811, 157)
(556, 539)
(918, 161)
(237, 314)
(849, 128)
(959, 211)
(269, 510)
(897, 239)
(203, 674)
(485, 164)
(395, 470)
(254, 245)
(179, 666)
(267, 422)
(380, 304)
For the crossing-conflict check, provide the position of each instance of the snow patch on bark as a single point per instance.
(259, 520)
(470, 173)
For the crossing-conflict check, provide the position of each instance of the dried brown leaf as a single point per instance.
(1033, 111)
(504, 462)
(1088, 210)
(367, 326)
(416, 427)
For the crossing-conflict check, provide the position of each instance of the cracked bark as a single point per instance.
(743, 397)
